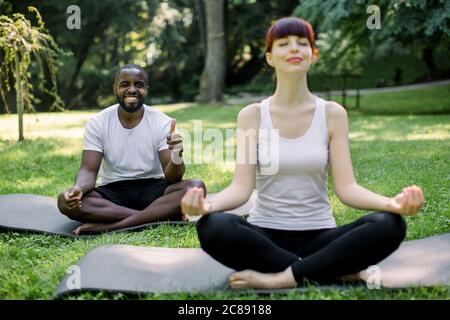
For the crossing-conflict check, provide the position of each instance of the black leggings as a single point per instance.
(325, 253)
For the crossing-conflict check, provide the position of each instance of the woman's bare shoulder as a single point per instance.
(335, 110)
(250, 110)
(337, 120)
(249, 116)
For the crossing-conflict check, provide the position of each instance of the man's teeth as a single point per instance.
(131, 99)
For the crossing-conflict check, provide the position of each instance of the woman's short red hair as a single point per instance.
(290, 26)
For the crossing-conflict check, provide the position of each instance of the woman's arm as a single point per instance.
(345, 186)
(241, 187)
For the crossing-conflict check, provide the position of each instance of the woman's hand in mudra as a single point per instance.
(193, 202)
(408, 202)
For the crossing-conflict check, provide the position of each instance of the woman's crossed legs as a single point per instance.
(278, 258)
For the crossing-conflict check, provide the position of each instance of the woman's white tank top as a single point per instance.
(291, 177)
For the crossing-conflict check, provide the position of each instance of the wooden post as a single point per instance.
(19, 99)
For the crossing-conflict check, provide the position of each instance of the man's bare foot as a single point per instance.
(258, 280)
(91, 228)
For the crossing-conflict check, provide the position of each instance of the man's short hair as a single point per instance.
(131, 66)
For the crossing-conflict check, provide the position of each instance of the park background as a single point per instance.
(205, 61)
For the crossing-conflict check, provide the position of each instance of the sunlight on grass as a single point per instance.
(399, 128)
(14, 155)
(70, 147)
(34, 182)
(45, 125)
(428, 136)
(173, 107)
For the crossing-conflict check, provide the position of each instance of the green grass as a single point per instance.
(434, 100)
(388, 152)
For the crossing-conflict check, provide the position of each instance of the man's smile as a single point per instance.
(131, 99)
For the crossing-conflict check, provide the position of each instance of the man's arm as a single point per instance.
(173, 172)
(87, 175)
(84, 181)
(171, 159)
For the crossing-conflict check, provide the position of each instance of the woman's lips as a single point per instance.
(295, 60)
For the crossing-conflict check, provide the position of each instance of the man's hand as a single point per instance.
(408, 202)
(175, 142)
(71, 198)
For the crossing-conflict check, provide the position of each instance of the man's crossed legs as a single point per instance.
(130, 203)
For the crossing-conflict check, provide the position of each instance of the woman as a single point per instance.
(291, 235)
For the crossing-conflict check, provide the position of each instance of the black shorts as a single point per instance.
(133, 194)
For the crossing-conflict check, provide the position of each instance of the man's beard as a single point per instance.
(130, 109)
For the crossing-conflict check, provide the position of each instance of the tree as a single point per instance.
(19, 43)
(212, 82)
(413, 23)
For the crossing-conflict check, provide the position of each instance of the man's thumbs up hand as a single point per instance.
(175, 142)
(173, 124)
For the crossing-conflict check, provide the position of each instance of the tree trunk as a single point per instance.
(429, 60)
(212, 81)
(201, 24)
(19, 99)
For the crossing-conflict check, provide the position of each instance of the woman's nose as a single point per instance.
(293, 46)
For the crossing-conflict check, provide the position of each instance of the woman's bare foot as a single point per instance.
(259, 280)
(354, 277)
(91, 228)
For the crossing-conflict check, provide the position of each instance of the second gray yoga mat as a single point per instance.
(28, 212)
(133, 269)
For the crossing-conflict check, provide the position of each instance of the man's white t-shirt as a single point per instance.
(128, 154)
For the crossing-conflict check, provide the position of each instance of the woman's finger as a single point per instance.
(192, 206)
(410, 207)
(186, 202)
(201, 202)
(196, 202)
(403, 201)
(417, 197)
(238, 284)
(422, 195)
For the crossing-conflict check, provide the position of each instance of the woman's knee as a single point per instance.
(390, 225)
(214, 227)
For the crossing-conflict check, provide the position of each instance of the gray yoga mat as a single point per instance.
(33, 213)
(137, 270)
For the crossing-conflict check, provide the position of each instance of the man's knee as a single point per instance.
(185, 185)
(73, 214)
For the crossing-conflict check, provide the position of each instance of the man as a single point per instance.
(137, 154)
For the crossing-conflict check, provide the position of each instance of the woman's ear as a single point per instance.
(269, 59)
